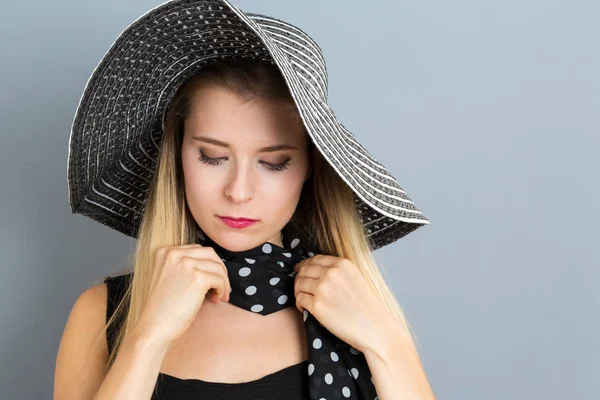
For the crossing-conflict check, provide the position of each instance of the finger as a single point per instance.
(216, 283)
(304, 301)
(311, 270)
(212, 266)
(305, 285)
(323, 259)
(206, 252)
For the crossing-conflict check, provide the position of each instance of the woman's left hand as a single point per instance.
(334, 291)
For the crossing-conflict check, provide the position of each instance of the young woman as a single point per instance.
(205, 134)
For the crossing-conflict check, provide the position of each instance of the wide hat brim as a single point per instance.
(117, 129)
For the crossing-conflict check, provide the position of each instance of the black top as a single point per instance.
(290, 383)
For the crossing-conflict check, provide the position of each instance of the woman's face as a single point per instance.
(228, 173)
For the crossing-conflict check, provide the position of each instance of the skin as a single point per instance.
(224, 341)
(240, 183)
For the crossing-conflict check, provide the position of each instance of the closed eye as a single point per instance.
(271, 167)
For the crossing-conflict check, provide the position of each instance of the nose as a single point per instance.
(239, 188)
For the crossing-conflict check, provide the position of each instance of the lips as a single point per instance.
(238, 219)
(237, 222)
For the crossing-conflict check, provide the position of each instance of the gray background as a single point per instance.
(486, 112)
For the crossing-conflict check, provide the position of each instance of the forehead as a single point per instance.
(220, 113)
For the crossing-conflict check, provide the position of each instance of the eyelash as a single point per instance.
(271, 167)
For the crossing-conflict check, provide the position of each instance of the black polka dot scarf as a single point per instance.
(262, 281)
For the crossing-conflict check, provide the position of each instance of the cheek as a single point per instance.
(283, 194)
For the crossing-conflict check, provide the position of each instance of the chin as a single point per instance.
(234, 239)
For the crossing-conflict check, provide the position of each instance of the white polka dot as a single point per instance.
(282, 299)
(294, 243)
(317, 343)
(328, 378)
(305, 314)
(281, 264)
(334, 356)
(346, 392)
(250, 290)
(288, 255)
(354, 372)
(353, 350)
(310, 254)
(256, 308)
(245, 271)
(266, 248)
(250, 260)
(311, 369)
(274, 281)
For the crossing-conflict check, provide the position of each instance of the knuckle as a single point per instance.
(185, 261)
(171, 254)
(321, 286)
(333, 272)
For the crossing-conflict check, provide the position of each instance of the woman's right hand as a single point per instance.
(182, 277)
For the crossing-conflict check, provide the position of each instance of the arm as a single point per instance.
(395, 366)
(134, 373)
(81, 360)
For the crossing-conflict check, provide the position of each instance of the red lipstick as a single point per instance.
(237, 222)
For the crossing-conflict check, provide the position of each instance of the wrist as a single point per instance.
(388, 336)
(146, 340)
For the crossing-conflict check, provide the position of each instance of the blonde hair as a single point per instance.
(326, 210)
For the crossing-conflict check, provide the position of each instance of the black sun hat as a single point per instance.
(118, 125)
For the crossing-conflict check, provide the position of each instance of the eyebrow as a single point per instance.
(216, 142)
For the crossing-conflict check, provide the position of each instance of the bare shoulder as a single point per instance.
(93, 299)
(89, 310)
(83, 351)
